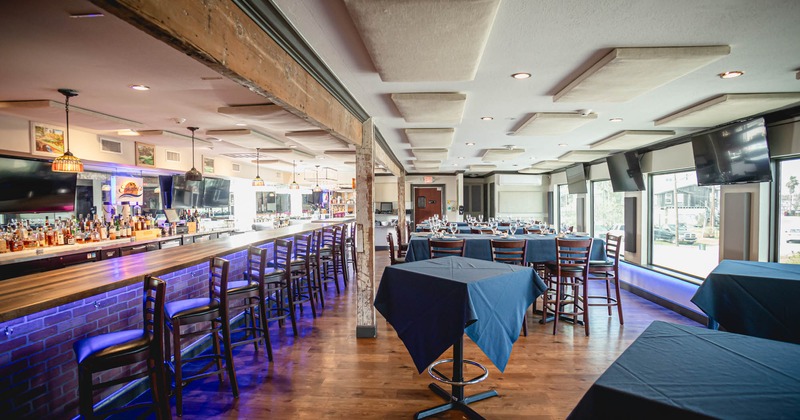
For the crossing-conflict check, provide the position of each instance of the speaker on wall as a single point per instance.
(630, 224)
(580, 204)
(736, 225)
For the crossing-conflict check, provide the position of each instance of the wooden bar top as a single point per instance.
(37, 292)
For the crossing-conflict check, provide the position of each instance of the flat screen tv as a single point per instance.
(185, 194)
(31, 186)
(737, 153)
(625, 172)
(576, 179)
(216, 192)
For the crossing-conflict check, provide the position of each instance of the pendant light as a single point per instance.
(193, 174)
(257, 181)
(317, 188)
(295, 185)
(67, 162)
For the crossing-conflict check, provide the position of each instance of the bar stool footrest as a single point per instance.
(435, 374)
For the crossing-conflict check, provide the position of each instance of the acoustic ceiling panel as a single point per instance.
(729, 107)
(533, 171)
(430, 137)
(631, 139)
(52, 112)
(498, 155)
(582, 155)
(550, 165)
(446, 42)
(268, 115)
(625, 73)
(169, 138)
(318, 140)
(553, 123)
(427, 164)
(482, 168)
(447, 108)
(430, 154)
(246, 138)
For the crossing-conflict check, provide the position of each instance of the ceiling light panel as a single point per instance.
(582, 156)
(550, 164)
(482, 168)
(318, 140)
(533, 171)
(726, 108)
(268, 115)
(430, 154)
(446, 108)
(497, 155)
(553, 123)
(430, 137)
(625, 73)
(446, 44)
(631, 139)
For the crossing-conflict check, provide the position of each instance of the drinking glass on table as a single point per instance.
(513, 228)
(453, 228)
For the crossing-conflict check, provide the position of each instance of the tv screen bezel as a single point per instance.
(40, 180)
(709, 178)
(633, 175)
(575, 185)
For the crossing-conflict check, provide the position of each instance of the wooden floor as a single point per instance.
(327, 373)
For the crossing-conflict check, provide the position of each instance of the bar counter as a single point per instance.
(37, 292)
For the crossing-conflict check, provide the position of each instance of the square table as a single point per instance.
(681, 372)
(755, 298)
(432, 303)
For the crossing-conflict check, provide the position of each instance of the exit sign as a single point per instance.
(427, 179)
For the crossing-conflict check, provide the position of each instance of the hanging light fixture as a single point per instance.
(295, 185)
(317, 188)
(193, 174)
(67, 162)
(257, 181)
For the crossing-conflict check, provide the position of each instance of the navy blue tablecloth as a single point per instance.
(464, 228)
(541, 248)
(431, 303)
(755, 298)
(680, 372)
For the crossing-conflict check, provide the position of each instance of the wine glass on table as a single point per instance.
(513, 228)
(453, 228)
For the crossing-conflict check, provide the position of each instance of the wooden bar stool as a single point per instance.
(251, 292)
(340, 255)
(566, 281)
(330, 256)
(211, 312)
(350, 247)
(514, 253)
(316, 239)
(124, 348)
(607, 271)
(301, 274)
(278, 283)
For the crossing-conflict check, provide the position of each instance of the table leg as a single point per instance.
(455, 399)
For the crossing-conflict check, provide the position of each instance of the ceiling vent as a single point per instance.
(110, 146)
(173, 156)
(235, 167)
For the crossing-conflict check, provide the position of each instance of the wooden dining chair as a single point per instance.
(532, 231)
(402, 247)
(446, 248)
(392, 258)
(607, 270)
(515, 253)
(566, 280)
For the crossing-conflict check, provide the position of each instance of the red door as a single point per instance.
(427, 202)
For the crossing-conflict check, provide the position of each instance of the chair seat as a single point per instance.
(111, 344)
(272, 271)
(240, 286)
(190, 307)
(553, 266)
(600, 263)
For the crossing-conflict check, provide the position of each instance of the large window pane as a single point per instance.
(684, 224)
(789, 220)
(608, 210)
(567, 212)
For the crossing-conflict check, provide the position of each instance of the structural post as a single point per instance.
(401, 204)
(366, 324)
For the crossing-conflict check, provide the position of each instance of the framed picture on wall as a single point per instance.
(208, 165)
(145, 155)
(46, 140)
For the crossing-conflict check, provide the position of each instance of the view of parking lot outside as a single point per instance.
(789, 219)
(685, 223)
(608, 211)
(567, 212)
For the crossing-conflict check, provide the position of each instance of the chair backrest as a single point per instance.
(446, 248)
(256, 263)
(302, 246)
(218, 269)
(510, 252)
(533, 230)
(425, 229)
(328, 236)
(572, 255)
(504, 224)
(282, 253)
(477, 231)
(316, 243)
(613, 245)
(408, 234)
(390, 240)
(353, 230)
(399, 232)
(155, 292)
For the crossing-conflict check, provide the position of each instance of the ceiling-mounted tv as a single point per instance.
(185, 194)
(737, 153)
(31, 186)
(576, 179)
(216, 192)
(625, 172)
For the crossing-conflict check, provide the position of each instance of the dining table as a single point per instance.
(432, 303)
(687, 372)
(540, 248)
(756, 298)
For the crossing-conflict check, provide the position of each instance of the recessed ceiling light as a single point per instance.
(521, 75)
(615, 119)
(563, 144)
(470, 143)
(139, 87)
(461, 157)
(730, 74)
(487, 118)
(241, 125)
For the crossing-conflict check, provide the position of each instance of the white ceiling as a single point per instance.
(42, 49)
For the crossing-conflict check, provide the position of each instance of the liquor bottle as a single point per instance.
(59, 235)
(40, 238)
(3, 242)
(69, 239)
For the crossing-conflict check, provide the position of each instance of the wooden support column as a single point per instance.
(401, 204)
(366, 323)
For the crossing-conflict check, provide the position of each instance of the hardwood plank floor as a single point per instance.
(327, 373)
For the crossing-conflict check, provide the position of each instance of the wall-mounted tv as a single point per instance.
(576, 179)
(31, 186)
(625, 172)
(185, 194)
(737, 153)
(216, 192)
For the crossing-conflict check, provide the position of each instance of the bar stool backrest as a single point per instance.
(572, 255)
(153, 298)
(328, 236)
(218, 281)
(303, 245)
(613, 245)
(446, 248)
(510, 252)
(256, 263)
(282, 253)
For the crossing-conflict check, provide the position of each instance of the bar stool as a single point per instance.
(301, 274)
(514, 253)
(566, 280)
(394, 260)
(278, 285)
(350, 247)
(252, 293)
(340, 254)
(212, 310)
(607, 271)
(315, 263)
(330, 256)
(125, 348)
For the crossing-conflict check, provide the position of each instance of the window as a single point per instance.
(789, 218)
(685, 236)
(567, 210)
(608, 210)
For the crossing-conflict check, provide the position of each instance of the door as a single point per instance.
(427, 202)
